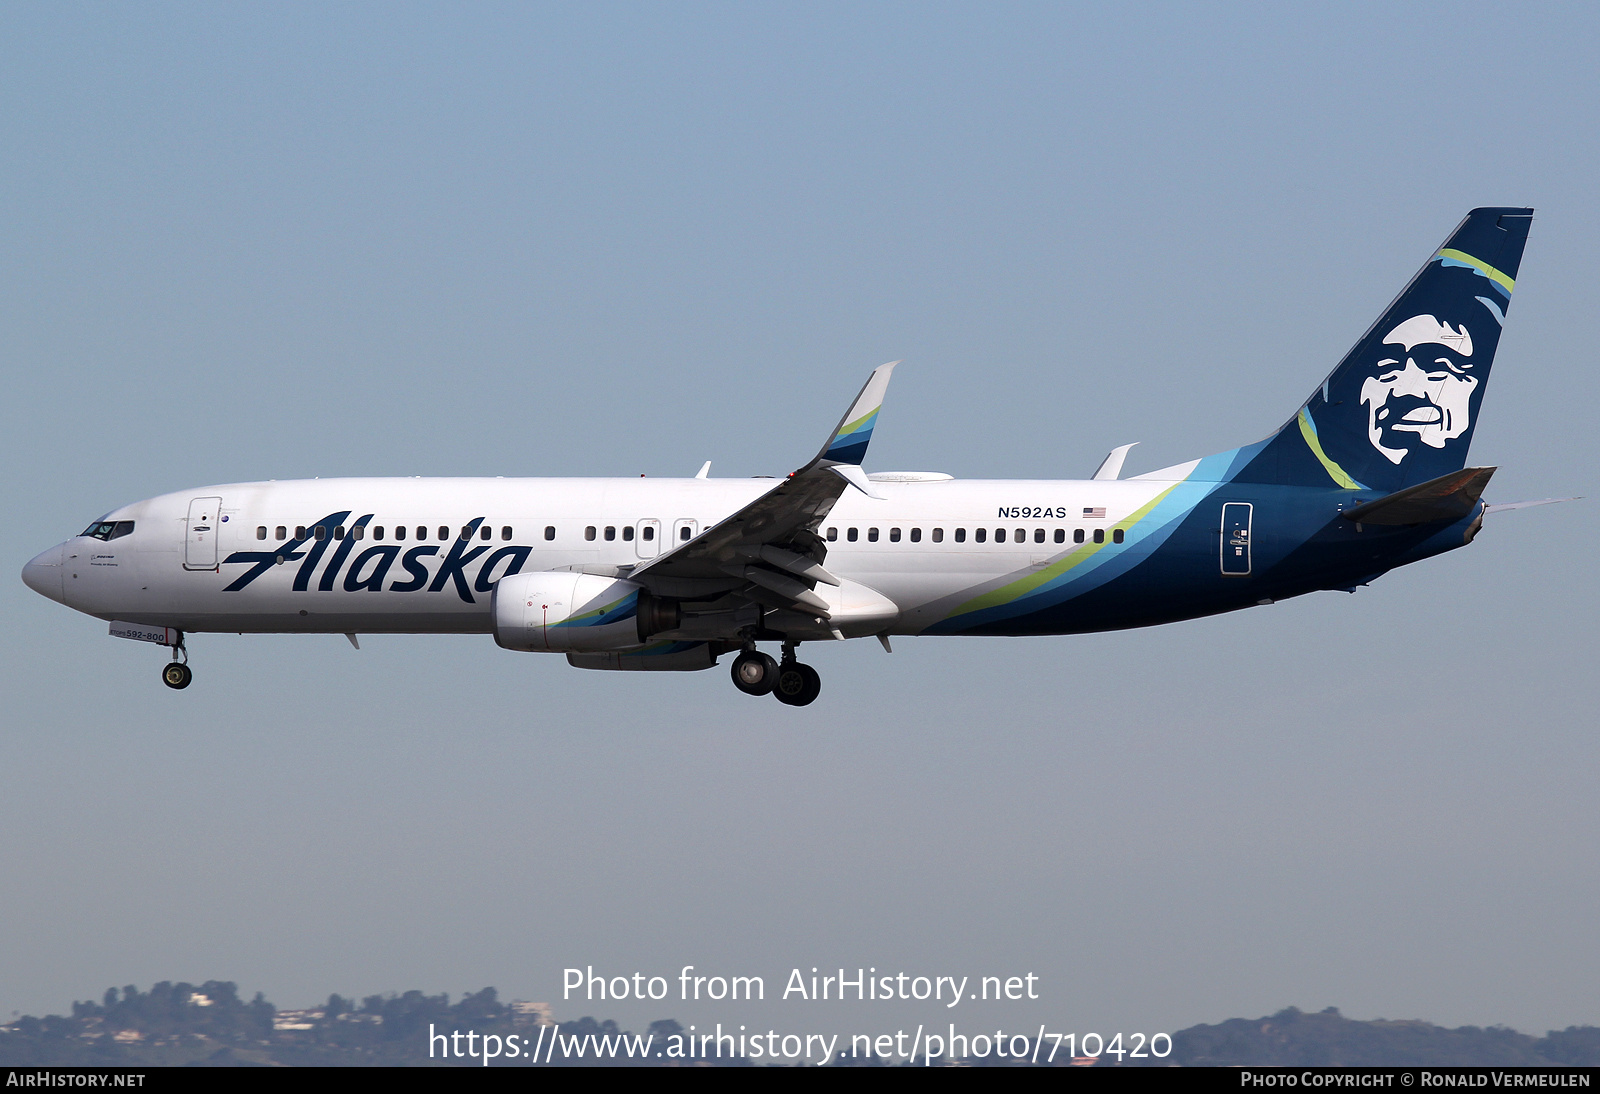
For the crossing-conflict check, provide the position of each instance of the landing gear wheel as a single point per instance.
(798, 685)
(754, 673)
(176, 675)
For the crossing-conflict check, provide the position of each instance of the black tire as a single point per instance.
(754, 673)
(798, 685)
(176, 675)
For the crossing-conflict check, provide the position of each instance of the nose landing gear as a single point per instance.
(177, 674)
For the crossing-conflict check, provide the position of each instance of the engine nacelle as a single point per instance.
(557, 611)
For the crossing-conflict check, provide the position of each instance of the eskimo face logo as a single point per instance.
(1421, 390)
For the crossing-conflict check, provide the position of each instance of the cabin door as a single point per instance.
(205, 523)
(1236, 538)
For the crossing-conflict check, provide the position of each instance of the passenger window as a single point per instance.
(627, 534)
(358, 532)
(684, 533)
(261, 532)
(961, 535)
(649, 532)
(549, 531)
(872, 535)
(338, 532)
(399, 531)
(422, 533)
(280, 532)
(588, 533)
(505, 532)
(322, 531)
(979, 534)
(300, 532)
(1116, 535)
(1077, 535)
(1038, 535)
(1061, 535)
(894, 535)
(444, 533)
(611, 532)
(1022, 535)
(999, 535)
(1099, 535)
(916, 535)
(851, 535)
(938, 535)
(833, 535)
(485, 532)
(377, 532)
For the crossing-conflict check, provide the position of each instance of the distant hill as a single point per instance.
(1292, 1038)
(210, 1024)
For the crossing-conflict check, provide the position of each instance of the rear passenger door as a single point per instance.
(1236, 518)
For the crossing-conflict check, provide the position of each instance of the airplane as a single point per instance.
(1368, 474)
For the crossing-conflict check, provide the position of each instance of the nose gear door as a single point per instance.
(1236, 538)
(200, 544)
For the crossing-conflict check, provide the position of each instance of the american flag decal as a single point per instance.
(1094, 514)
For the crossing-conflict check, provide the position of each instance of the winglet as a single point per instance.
(1111, 466)
(848, 445)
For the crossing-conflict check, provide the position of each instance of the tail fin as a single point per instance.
(1400, 408)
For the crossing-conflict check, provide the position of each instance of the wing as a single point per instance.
(769, 553)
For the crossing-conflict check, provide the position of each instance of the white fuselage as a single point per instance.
(919, 545)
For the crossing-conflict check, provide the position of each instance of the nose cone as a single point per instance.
(43, 574)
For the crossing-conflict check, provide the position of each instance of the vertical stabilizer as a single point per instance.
(1401, 407)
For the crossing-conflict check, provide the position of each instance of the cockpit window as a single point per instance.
(109, 529)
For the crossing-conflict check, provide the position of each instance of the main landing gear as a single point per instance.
(177, 674)
(792, 683)
(754, 673)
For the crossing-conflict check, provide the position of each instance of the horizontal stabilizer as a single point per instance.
(1448, 497)
(1509, 505)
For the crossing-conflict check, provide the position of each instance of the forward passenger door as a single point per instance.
(200, 543)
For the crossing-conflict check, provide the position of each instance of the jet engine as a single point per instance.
(558, 611)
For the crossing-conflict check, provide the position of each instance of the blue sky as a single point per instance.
(278, 242)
